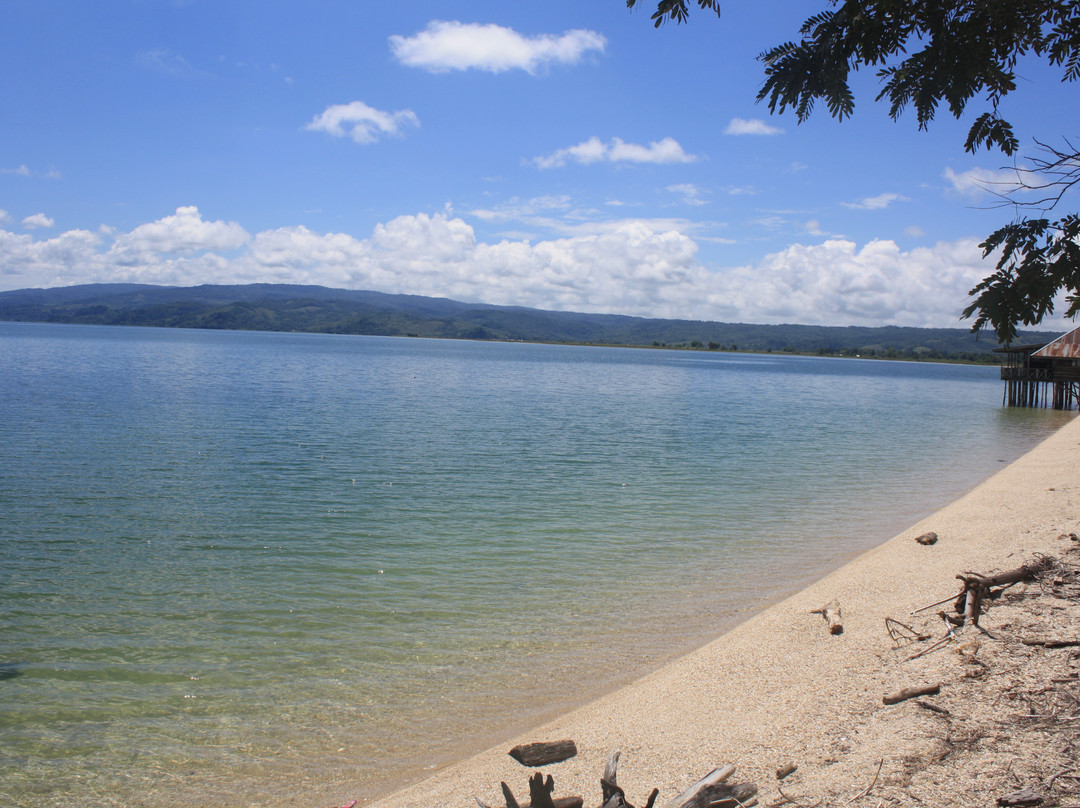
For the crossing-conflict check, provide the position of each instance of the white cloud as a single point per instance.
(37, 220)
(594, 150)
(4, 216)
(979, 183)
(691, 194)
(163, 60)
(183, 233)
(516, 208)
(24, 171)
(446, 46)
(836, 283)
(69, 258)
(879, 202)
(756, 126)
(362, 123)
(631, 266)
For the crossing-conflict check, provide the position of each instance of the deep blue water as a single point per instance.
(243, 567)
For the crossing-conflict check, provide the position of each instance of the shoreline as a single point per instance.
(778, 687)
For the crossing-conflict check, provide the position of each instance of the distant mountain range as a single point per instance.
(282, 307)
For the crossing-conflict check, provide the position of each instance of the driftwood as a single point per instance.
(977, 587)
(911, 693)
(786, 771)
(613, 795)
(926, 705)
(711, 790)
(543, 753)
(927, 538)
(540, 795)
(1051, 642)
(902, 634)
(1024, 796)
(831, 612)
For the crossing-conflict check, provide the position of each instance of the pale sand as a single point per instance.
(779, 687)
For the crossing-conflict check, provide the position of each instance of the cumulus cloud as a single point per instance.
(36, 221)
(446, 46)
(837, 283)
(879, 202)
(183, 233)
(360, 122)
(594, 150)
(756, 126)
(630, 266)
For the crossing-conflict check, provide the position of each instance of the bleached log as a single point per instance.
(609, 783)
(712, 789)
(831, 612)
(715, 777)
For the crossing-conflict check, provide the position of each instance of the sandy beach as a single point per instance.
(780, 688)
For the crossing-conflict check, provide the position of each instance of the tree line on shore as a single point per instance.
(315, 309)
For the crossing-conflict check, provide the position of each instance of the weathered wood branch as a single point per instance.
(1051, 642)
(508, 795)
(712, 789)
(543, 753)
(926, 705)
(540, 794)
(540, 791)
(609, 783)
(715, 777)
(1025, 796)
(786, 771)
(977, 587)
(831, 612)
(903, 634)
(911, 693)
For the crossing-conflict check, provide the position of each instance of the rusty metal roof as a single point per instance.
(1067, 346)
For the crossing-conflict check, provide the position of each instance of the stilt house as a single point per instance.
(1044, 374)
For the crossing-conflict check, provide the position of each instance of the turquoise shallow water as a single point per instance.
(241, 568)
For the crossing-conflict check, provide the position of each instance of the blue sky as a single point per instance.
(562, 155)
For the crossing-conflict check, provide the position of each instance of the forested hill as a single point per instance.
(278, 307)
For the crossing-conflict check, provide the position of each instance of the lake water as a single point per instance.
(245, 568)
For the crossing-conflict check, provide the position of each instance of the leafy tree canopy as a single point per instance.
(930, 53)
